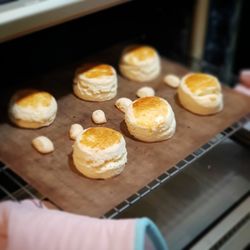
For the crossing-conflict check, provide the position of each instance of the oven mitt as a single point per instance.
(26, 226)
(244, 85)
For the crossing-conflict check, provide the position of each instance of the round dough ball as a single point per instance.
(123, 103)
(75, 130)
(145, 91)
(43, 144)
(172, 81)
(99, 117)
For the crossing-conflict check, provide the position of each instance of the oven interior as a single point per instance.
(197, 196)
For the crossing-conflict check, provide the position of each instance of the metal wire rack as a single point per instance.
(15, 188)
(180, 166)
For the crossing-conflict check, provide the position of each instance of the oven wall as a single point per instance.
(166, 26)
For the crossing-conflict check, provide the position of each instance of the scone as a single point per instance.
(201, 94)
(100, 153)
(140, 63)
(150, 119)
(31, 108)
(95, 82)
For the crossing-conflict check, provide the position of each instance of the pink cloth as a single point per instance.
(242, 89)
(244, 85)
(25, 226)
(245, 77)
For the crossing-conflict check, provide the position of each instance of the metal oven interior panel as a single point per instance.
(21, 17)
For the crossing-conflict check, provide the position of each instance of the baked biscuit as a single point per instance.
(31, 108)
(201, 94)
(100, 153)
(140, 63)
(95, 82)
(150, 119)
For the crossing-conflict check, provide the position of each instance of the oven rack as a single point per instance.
(13, 187)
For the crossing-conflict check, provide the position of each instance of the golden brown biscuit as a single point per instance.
(150, 119)
(201, 94)
(140, 63)
(100, 153)
(95, 82)
(31, 108)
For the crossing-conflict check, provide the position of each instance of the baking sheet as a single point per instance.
(55, 176)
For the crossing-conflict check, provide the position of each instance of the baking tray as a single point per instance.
(55, 176)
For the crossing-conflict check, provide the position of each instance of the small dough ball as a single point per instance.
(75, 130)
(99, 117)
(43, 144)
(172, 81)
(145, 91)
(123, 103)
